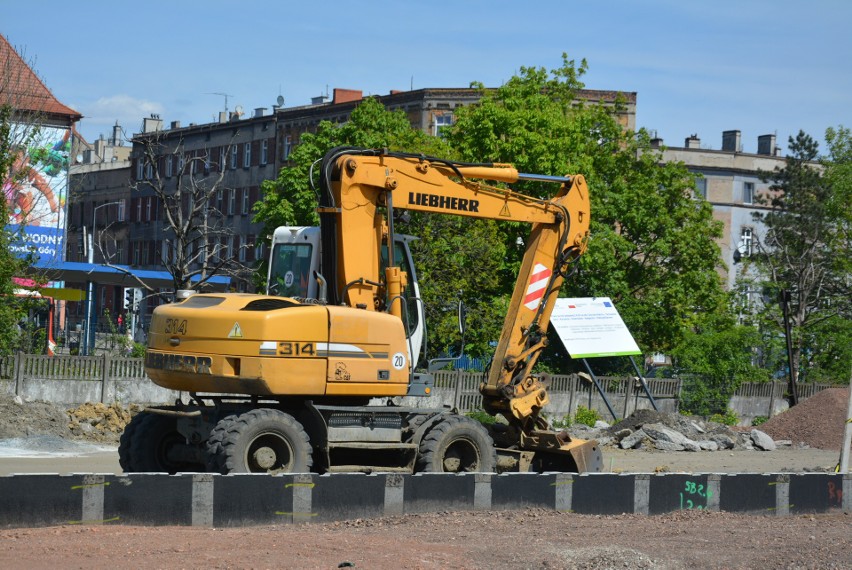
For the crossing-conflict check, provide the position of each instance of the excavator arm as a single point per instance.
(360, 189)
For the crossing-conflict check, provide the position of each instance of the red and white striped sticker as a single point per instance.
(538, 283)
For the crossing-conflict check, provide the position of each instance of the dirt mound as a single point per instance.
(23, 419)
(817, 422)
(90, 422)
(99, 422)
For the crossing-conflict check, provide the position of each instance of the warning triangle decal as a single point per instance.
(236, 331)
(505, 211)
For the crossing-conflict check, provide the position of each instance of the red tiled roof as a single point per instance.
(22, 88)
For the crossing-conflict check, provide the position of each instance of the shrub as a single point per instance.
(586, 416)
(729, 418)
(759, 420)
(482, 417)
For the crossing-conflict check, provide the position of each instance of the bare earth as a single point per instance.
(532, 538)
(518, 539)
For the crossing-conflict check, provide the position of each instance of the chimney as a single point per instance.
(731, 141)
(223, 116)
(692, 141)
(259, 111)
(175, 124)
(100, 145)
(346, 95)
(116, 135)
(766, 144)
(656, 142)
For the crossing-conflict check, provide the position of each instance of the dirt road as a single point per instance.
(103, 459)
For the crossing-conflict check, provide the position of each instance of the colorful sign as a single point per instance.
(591, 327)
(35, 191)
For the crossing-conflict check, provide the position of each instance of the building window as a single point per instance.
(245, 205)
(221, 160)
(441, 123)
(264, 151)
(247, 155)
(701, 187)
(121, 207)
(148, 209)
(219, 200)
(288, 144)
(231, 201)
(169, 166)
(149, 171)
(748, 192)
(139, 166)
(242, 246)
(746, 242)
(234, 151)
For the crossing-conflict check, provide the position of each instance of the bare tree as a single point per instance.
(188, 185)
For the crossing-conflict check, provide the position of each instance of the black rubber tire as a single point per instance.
(260, 441)
(126, 441)
(150, 442)
(457, 445)
(214, 442)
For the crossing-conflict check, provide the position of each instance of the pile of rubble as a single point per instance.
(100, 423)
(649, 429)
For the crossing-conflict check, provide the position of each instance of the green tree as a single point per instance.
(652, 247)
(803, 247)
(714, 358)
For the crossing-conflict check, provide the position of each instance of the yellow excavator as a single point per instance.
(284, 382)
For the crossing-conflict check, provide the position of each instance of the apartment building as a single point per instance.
(730, 180)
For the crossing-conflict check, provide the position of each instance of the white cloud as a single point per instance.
(101, 115)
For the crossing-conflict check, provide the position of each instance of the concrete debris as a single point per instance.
(632, 440)
(674, 432)
(762, 441)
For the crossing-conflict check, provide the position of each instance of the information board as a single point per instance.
(591, 327)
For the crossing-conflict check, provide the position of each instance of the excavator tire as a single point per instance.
(260, 441)
(125, 441)
(150, 444)
(457, 445)
(214, 442)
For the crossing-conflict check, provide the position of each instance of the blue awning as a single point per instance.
(122, 275)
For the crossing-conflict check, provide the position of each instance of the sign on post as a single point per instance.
(590, 327)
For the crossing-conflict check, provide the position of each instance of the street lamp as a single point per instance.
(88, 333)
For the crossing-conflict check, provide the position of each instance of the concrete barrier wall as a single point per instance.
(207, 500)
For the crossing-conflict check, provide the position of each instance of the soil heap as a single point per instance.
(816, 422)
(90, 422)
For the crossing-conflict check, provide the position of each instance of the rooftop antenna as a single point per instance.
(225, 95)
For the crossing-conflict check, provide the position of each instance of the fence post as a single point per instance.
(19, 371)
(457, 394)
(573, 379)
(628, 384)
(771, 400)
(104, 376)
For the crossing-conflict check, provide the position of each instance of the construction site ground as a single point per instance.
(531, 538)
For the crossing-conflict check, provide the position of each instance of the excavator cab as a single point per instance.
(295, 261)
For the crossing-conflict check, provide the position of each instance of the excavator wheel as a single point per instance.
(259, 441)
(457, 445)
(155, 446)
(125, 441)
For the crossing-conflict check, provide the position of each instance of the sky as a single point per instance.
(698, 67)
